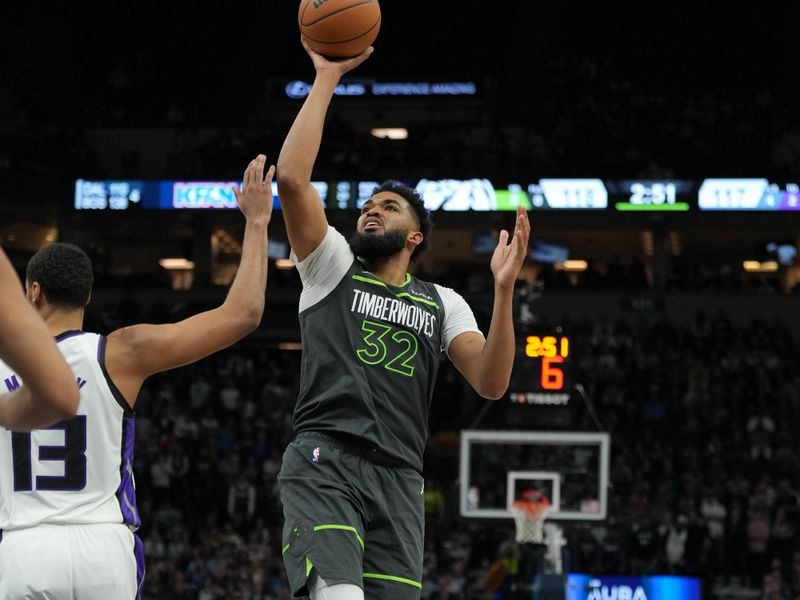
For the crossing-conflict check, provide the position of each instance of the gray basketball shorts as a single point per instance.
(350, 520)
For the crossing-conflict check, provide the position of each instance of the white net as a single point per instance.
(529, 518)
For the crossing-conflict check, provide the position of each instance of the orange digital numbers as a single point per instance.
(552, 376)
(553, 351)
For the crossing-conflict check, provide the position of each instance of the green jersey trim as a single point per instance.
(369, 280)
(406, 281)
(410, 582)
(416, 299)
(309, 566)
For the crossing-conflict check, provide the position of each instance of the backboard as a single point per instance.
(572, 468)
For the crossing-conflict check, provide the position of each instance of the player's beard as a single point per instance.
(372, 246)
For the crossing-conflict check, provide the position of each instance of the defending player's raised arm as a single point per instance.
(306, 224)
(135, 352)
(50, 393)
(487, 364)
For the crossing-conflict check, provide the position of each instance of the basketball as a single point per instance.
(339, 28)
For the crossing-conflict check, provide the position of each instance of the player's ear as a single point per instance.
(415, 238)
(34, 292)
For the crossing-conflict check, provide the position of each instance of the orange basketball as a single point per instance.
(339, 28)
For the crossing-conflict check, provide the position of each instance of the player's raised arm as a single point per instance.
(302, 209)
(487, 364)
(50, 392)
(133, 353)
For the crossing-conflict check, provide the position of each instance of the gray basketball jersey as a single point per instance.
(78, 471)
(371, 351)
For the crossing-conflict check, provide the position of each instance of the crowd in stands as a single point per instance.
(600, 123)
(704, 464)
(704, 461)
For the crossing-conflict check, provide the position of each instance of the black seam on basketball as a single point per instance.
(378, 22)
(336, 12)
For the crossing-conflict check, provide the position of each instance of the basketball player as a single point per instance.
(67, 500)
(373, 335)
(51, 393)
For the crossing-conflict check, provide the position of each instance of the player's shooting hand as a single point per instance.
(335, 67)
(508, 257)
(255, 197)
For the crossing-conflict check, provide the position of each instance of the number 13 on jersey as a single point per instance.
(71, 454)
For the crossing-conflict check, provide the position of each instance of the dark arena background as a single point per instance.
(657, 148)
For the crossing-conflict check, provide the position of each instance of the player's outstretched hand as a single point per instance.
(338, 67)
(255, 197)
(508, 257)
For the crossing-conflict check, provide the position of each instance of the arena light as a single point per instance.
(754, 266)
(392, 133)
(176, 264)
(769, 266)
(574, 266)
(284, 264)
(290, 346)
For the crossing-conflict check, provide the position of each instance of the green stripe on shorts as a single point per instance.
(411, 582)
(342, 528)
(332, 526)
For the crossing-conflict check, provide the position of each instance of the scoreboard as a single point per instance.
(542, 371)
(476, 194)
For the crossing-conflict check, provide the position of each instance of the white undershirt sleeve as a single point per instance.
(323, 269)
(458, 316)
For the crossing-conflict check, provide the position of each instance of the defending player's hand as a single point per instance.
(337, 67)
(508, 257)
(255, 198)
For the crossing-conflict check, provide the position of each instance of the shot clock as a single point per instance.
(542, 370)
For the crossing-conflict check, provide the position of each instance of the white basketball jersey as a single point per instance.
(78, 471)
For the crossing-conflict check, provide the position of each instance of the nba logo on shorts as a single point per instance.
(315, 455)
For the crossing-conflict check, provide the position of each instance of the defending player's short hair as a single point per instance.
(65, 274)
(414, 200)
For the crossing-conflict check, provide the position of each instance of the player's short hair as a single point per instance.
(65, 274)
(416, 202)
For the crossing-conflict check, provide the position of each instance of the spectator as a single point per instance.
(675, 543)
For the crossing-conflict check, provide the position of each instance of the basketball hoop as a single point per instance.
(529, 518)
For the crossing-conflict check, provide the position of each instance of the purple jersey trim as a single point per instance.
(138, 552)
(126, 492)
(101, 359)
(65, 335)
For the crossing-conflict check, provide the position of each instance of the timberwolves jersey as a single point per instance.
(78, 471)
(371, 351)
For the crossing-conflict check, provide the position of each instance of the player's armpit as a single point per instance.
(134, 353)
(466, 352)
